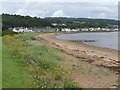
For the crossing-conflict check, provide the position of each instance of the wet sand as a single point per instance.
(103, 57)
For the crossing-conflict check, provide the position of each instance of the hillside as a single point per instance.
(77, 20)
(10, 21)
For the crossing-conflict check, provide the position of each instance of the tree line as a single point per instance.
(11, 21)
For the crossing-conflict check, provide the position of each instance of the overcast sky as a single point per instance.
(107, 9)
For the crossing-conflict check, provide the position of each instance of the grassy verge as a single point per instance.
(14, 75)
(37, 66)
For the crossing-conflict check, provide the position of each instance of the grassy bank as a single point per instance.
(29, 65)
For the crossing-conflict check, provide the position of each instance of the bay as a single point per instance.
(102, 39)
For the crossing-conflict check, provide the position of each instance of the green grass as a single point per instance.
(28, 36)
(69, 84)
(29, 65)
(14, 75)
(103, 72)
(0, 62)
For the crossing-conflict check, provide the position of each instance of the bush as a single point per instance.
(8, 39)
(33, 38)
(8, 32)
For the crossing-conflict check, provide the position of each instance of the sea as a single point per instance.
(100, 39)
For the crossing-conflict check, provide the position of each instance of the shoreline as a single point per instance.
(98, 56)
(92, 46)
(87, 41)
(89, 45)
(97, 47)
(73, 32)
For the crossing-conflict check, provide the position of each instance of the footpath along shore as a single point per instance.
(98, 56)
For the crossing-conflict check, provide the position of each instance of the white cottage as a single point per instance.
(21, 29)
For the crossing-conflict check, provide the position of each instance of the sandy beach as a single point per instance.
(88, 66)
(98, 56)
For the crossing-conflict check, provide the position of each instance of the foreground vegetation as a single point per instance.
(28, 65)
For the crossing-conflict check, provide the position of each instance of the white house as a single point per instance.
(21, 29)
(84, 29)
(116, 29)
(54, 24)
(91, 29)
(68, 29)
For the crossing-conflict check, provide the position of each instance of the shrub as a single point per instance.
(8, 39)
(8, 32)
(33, 38)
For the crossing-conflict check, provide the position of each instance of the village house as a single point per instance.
(68, 29)
(47, 29)
(84, 29)
(22, 29)
(55, 29)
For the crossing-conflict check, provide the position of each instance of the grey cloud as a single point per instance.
(73, 9)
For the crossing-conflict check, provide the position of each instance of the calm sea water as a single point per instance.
(102, 39)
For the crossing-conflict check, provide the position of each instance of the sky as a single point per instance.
(106, 9)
